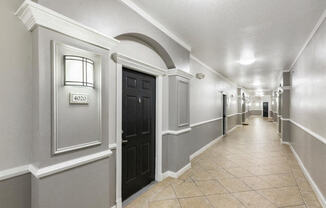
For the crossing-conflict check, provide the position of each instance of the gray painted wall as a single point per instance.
(82, 187)
(178, 148)
(307, 107)
(15, 88)
(16, 192)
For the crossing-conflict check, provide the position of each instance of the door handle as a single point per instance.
(124, 141)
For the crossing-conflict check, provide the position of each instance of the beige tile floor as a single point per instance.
(248, 168)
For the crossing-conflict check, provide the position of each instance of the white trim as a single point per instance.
(233, 114)
(57, 53)
(205, 122)
(176, 132)
(286, 87)
(13, 172)
(285, 119)
(315, 135)
(137, 65)
(60, 167)
(233, 129)
(212, 70)
(178, 173)
(180, 73)
(312, 34)
(314, 186)
(156, 23)
(33, 15)
(204, 148)
(113, 146)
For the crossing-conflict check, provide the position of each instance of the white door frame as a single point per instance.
(125, 61)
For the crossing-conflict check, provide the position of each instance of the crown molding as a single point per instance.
(33, 15)
(179, 72)
(312, 34)
(156, 23)
(138, 65)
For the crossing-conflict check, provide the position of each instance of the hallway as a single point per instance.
(247, 168)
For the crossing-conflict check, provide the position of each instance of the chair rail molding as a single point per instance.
(171, 132)
(205, 122)
(33, 14)
(14, 172)
(53, 169)
(60, 167)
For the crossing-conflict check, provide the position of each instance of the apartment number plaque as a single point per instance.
(81, 99)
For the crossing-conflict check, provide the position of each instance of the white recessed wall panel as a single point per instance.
(75, 125)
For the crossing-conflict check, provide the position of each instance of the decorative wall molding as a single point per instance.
(171, 132)
(212, 70)
(113, 146)
(204, 148)
(183, 107)
(138, 65)
(60, 167)
(178, 173)
(315, 135)
(180, 73)
(33, 15)
(205, 122)
(53, 169)
(234, 114)
(312, 34)
(156, 23)
(14, 172)
(314, 186)
(58, 51)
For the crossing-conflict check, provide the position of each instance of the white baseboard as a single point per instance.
(119, 204)
(177, 174)
(204, 148)
(314, 186)
(233, 129)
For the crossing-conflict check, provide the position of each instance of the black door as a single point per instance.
(138, 137)
(265, 109)
(224, 114)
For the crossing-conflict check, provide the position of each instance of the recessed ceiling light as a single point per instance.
(247, 58)
(247, 61)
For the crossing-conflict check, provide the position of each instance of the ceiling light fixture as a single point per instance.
(247, 58)
(247, 61)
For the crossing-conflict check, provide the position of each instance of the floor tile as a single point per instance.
(234, 185)
(187, 189)
(165, 204)
(196, 202)
(210, 187)
(224, 201)
(247, 168)
(289, 196)
(256, 183)
(253, 200)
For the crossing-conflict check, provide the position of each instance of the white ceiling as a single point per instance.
(220, 31)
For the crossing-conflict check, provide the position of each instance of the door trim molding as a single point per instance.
(137, 65)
